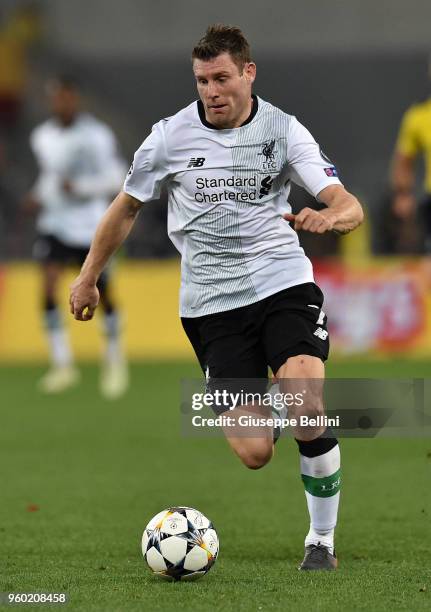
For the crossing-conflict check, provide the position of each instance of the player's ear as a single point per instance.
(250, 71)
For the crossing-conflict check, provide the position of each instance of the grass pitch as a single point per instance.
(81, 477)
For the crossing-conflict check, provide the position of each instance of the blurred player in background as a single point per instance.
(248, 298)
(79, 171)
(414, 139)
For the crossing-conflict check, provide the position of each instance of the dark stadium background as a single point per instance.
(79, 476)
(348, 70)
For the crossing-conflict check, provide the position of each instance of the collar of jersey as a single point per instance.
(207, 124)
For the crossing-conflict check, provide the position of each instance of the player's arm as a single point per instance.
(147, 175)
(144, 180)
(310, 168)
(110, 234)
(343, 213)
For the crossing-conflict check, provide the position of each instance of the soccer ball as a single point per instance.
(180, 543)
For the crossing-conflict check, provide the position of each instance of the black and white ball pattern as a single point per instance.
(180, 543)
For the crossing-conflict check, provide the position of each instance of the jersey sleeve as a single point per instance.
(107, 167)
(408, 141)
(150, 169)
(33, 141)
(39, 187)
(308, 165)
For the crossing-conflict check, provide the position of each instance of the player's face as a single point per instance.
(64, 103)
(225, 91)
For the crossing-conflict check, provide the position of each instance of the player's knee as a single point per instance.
(312, 408)
(257, 458)
(308, 434)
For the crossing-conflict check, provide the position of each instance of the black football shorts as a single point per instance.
(425, 217)
(48, 248)
(242, 343)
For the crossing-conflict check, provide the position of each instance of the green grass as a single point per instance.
(99, 471)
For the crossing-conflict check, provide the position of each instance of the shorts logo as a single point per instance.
(196, 162)
(130, 170)
(321, 333)
(265, 186)
(322, 315)
(321, 318)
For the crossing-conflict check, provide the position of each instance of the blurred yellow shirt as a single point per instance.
(16, 35)
(415, 136)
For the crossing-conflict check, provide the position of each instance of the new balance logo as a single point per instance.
(321, 318)
(196, 162)
(322, 315)
(321, 333)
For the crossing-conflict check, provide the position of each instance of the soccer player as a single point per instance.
(79, 172)
(414, 138)
(248, 298)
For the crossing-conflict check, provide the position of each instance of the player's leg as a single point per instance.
(62, 373)
(297, 342)
(59, 345)
(319, 459)
(114, 379)
(230, 356)
(252, 443)
(255, 450)
(114, 376)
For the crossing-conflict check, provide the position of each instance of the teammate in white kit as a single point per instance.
(248, 298)
(79, 171)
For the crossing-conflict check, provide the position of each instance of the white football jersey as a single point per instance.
(227, 192)
(84, 154)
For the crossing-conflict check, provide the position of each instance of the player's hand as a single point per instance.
(310, 220)
(84, 298)
(404, 205)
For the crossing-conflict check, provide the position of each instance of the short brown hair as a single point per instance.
(221, 38)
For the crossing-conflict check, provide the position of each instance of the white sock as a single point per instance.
(60, 352)
(321, 477)
(113, 351)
